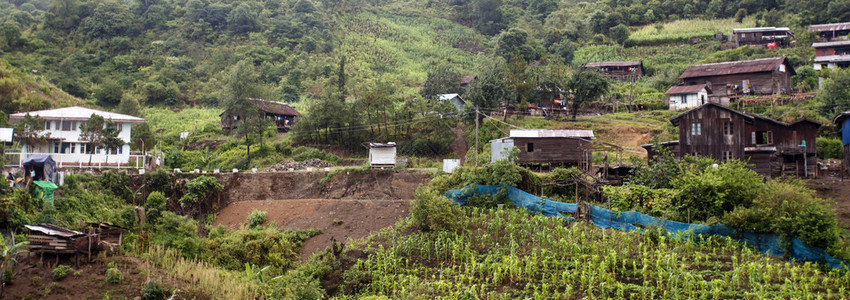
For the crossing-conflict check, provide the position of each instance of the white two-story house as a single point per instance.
(64, 143)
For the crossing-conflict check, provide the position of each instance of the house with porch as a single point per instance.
(64, 143)
(772, 148)
(282, 114)
(831, 55)
(728, 81)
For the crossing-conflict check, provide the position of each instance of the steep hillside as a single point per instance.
(26, 91)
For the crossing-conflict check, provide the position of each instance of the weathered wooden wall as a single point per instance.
(553, 150)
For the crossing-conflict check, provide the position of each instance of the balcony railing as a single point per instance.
(81, 160)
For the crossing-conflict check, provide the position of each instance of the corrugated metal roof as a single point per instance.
(760, 29)
(830, 27)
(275, 107)
(447, 96)
(832, 58)
(685, 89)
(840, 117)
(382, 145)
(830, 44)
(50, 229)
(736, 67)
(77, 113)
(614, 64)
(551, 133)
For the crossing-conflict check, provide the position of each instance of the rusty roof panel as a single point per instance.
(830, 44)
(274, 107)
(50, 229)
(685, 89)
(830, 27)
(735, 67)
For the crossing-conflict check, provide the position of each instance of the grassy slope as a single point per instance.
(30, 91)
(509, 253)
(680, 30)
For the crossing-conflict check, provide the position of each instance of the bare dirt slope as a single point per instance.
(34, 280)
(838, 189)
(352, 204)
(338, 219)
(382, 185)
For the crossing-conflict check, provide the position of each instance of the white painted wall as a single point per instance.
(382, 156)
(819, 66)
(677, 102)
(75, 153)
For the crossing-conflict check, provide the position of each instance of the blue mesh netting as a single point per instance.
(769, 244)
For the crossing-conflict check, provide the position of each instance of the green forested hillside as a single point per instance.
(375, 55)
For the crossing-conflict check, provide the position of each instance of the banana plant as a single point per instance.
(258, 275)
(8, 256)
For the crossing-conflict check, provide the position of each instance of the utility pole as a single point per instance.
(476, 136)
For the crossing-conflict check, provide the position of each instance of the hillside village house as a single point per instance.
(831, 55)
(773, 148)
(727, 81)
(64, 144)
(770, 37)
(454, 99)
(829, 32)
(282, 114)
(687, 96)
(619, 70)
(553, 147)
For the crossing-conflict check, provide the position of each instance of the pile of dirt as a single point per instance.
(338, 219)
(288, 165)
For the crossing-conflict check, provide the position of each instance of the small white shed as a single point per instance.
(500, 149)
(687, 96)
(382, 155)
(449, 165)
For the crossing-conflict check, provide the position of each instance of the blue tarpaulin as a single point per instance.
(766, 243)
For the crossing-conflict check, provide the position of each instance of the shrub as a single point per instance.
(153, 291)
(830, 147)
(61, 271)
(304, 153)
(788, 209)
(199, 188)
(154, 206)
(433, 212)
(713, 191)
(181, 233)
(113, 275)
(256, 218)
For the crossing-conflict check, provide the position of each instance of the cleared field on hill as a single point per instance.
(681, 30)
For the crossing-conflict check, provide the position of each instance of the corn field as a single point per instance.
(687, 28)
(506, 254)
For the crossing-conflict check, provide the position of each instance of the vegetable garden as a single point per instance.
(508, 253)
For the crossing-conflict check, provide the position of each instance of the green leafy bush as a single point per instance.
(200, 188)
(830, 147)
(304, 153)
(113, 275)
(154, 206)
(433, 212)
(152, 290)
(264, 246)
(256, 218)
(789, 209)
(61, 271)
(713, 191)
(180, 232)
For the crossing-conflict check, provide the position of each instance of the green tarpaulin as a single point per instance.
(44, 190)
